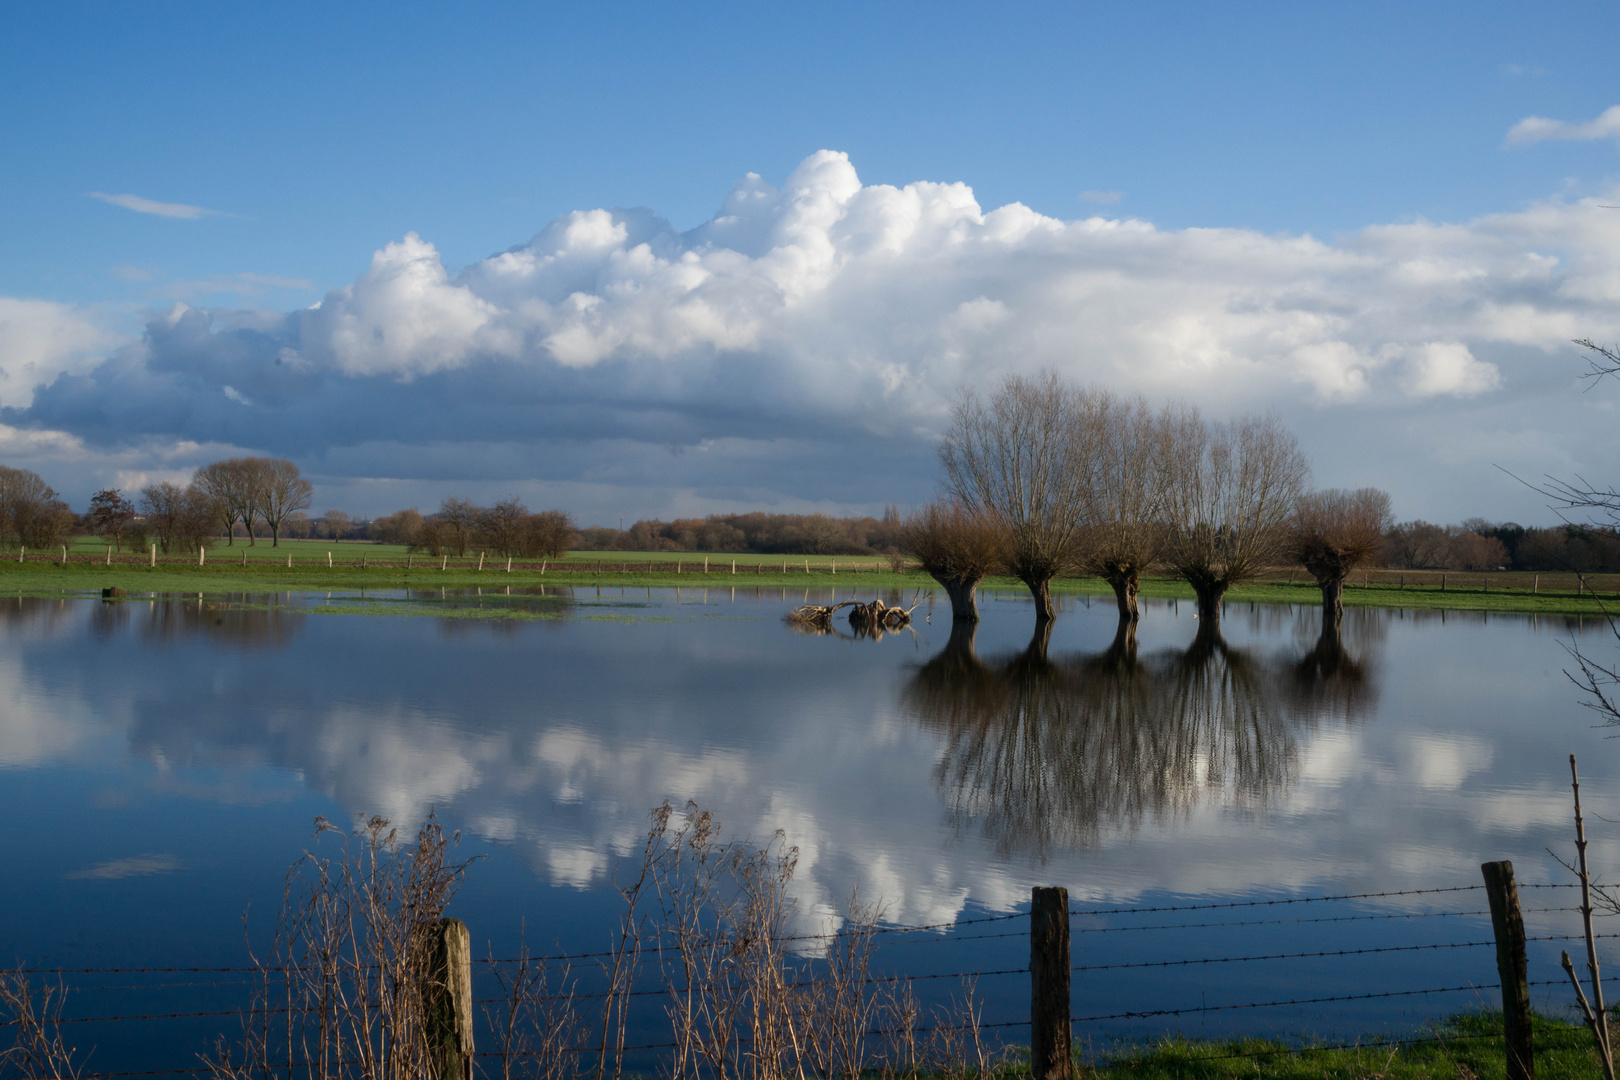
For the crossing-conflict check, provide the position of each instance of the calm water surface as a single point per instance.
(161, 764)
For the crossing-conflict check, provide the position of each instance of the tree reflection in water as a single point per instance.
(241, 618)
(1042, 754)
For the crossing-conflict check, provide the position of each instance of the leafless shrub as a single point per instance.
(343, 990)
(33, 1018)
(30, 511)
(537, 1025)
(958, 547)
(180, 517)
(1332, 533)
(400, 527)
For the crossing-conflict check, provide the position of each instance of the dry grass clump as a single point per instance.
(349, 984)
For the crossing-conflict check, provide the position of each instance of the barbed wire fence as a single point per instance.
(1126, 1004)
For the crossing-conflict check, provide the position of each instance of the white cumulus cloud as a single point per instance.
(839, 316)
(40, 340)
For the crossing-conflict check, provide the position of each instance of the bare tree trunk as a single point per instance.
(1332, 603)
(1125, 590)
(1041, 590)
(1121, 653)
(964, 604)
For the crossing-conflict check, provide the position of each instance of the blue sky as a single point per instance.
(306, 138)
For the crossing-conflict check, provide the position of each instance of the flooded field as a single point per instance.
(162, 762)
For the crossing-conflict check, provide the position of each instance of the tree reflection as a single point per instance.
(1041, 754)
(258, 620)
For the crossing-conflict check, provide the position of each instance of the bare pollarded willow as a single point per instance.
(1024, 456)
(1332, 533)
(1127, 494)
(1230, 493)
(958, 547)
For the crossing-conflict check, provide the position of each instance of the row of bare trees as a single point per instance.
(1045, 477)
(218, 498)
(253, 488)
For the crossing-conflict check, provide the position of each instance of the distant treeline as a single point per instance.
(766, 534)
(1478, 544)
(508, 528)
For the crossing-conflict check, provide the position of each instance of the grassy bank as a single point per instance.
(1464, 1047)
(323, 565)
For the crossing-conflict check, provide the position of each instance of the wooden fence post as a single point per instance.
(448, 1001)
(1049, 1053)
(1511, 967)
(154, 554)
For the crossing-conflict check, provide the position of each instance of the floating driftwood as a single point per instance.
(878, 616)
(867, 620)
(817, 616)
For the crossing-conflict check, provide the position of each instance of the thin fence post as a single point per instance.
(449, 1002)
(1049, 1046)
(1512, 967)
(154, 554)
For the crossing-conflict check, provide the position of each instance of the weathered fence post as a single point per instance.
(448, 1001)
(1049, 1054)
(154, 554)
(1512, 967)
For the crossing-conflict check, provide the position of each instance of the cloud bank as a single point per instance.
(804, 344)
